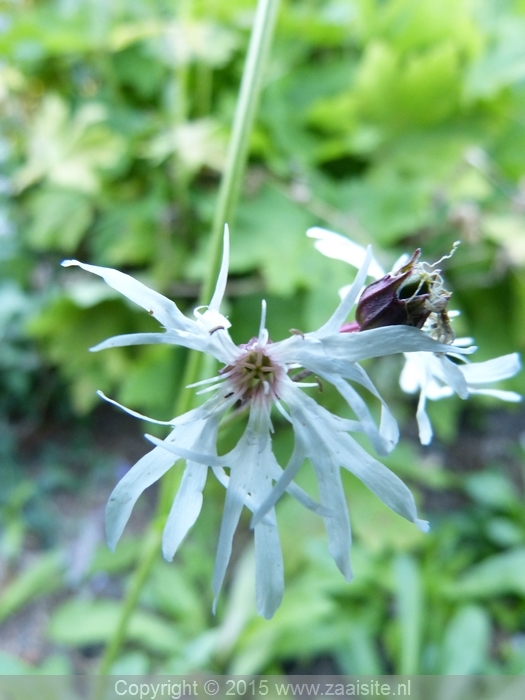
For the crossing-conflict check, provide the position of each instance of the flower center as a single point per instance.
(254, 375)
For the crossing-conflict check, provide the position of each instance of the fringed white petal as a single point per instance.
(333, 245)
(135, 414)
(288, 475)
(316, 425)
(340, 315)
(509, 396)
(220, 287)
(185, 509)
(185, 453)
(423, 421)
(161, 308)
(494, 370)
(385, 438)
(248, 456)
(125, 494)
(187, 430)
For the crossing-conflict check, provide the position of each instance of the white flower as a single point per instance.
(257, 376)
(435, 376)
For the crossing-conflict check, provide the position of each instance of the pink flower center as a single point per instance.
(254, 375)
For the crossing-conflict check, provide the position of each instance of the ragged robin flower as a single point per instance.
(259, 377)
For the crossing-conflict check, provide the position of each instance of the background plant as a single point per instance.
(397, 123)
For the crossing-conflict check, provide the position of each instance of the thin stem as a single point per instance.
(260, 40)
(230, 188)
(150, 548)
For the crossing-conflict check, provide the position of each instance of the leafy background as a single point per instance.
(399, 123)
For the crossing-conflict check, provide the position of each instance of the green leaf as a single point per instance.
(508, 230)
(387, 206)
(492, 489)
(81, 623)
(197, 144)
(135, 663)
(504, 532)
(184, 42)
(290, 633)
(502, 65)
(171, 592)
(497, 575)
(136, 69)
(309, 95)
(69, 151)
(43, 576)
(410, 25)
(56, 665)
(151, 381)
(375, 524)
(30, 35)
(420, 90)
(60, 219)
(360, 655)
(466, 643)
(199, 654)
(127, 232)
(316, 24)
(123, 558)
(67, 332)
(270, 234)
(409, 600)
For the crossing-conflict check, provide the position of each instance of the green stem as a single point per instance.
(230, 188)
(229, 192)
(150, 548)
(260, 40)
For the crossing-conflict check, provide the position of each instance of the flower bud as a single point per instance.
(406, 297)
(397, 299)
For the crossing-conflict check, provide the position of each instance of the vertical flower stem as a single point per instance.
(229, 191)
(150, 548)
(230, 188)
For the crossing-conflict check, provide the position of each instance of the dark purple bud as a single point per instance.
(398, 299)
(407, 297)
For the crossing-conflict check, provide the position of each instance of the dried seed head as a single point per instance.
(411, 296)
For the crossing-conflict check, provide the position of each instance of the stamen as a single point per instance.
(208, 389)
(262, 326)
(207, 381)
(446, 257)
(133, 413)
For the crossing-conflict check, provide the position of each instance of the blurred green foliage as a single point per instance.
(451, 602)
(398, 123)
